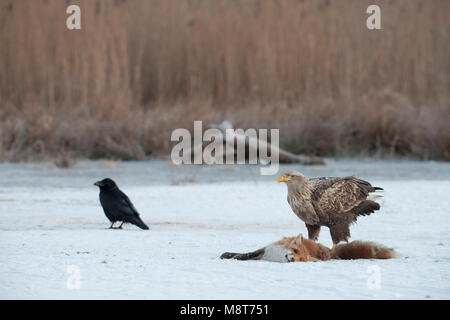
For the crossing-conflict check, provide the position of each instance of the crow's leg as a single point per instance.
(120, 227)
(111, 226)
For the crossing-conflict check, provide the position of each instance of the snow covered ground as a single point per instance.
(52, 229)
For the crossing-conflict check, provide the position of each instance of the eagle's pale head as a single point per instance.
(293, 177)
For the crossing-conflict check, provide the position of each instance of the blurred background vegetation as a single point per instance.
(139, 69)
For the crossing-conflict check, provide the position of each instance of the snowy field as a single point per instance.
(52, 226)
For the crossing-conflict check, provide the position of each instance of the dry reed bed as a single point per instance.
(139, 69)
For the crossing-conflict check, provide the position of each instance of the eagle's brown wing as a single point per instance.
(337, 196)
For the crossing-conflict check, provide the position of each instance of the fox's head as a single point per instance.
(298, 249)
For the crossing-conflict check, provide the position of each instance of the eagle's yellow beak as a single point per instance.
(283, 178)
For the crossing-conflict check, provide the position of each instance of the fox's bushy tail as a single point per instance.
(363, 250)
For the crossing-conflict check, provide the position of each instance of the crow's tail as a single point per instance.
(136, 220)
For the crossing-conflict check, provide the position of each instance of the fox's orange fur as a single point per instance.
(299, 249)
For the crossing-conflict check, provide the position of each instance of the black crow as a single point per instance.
(117, 206)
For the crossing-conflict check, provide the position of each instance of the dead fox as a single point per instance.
(299, 249)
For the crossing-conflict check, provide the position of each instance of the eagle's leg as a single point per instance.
(313, 231)
(339, 232)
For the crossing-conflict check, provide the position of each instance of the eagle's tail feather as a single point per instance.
(365, 208)
(363, 250)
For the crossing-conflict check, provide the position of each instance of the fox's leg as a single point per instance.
(313, 231)
(228, 255)
(312, 259)
(255, 255)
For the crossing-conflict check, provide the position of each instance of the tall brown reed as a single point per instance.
(139, 69)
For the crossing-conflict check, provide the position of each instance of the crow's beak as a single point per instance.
(98, 184)
(283, 178)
